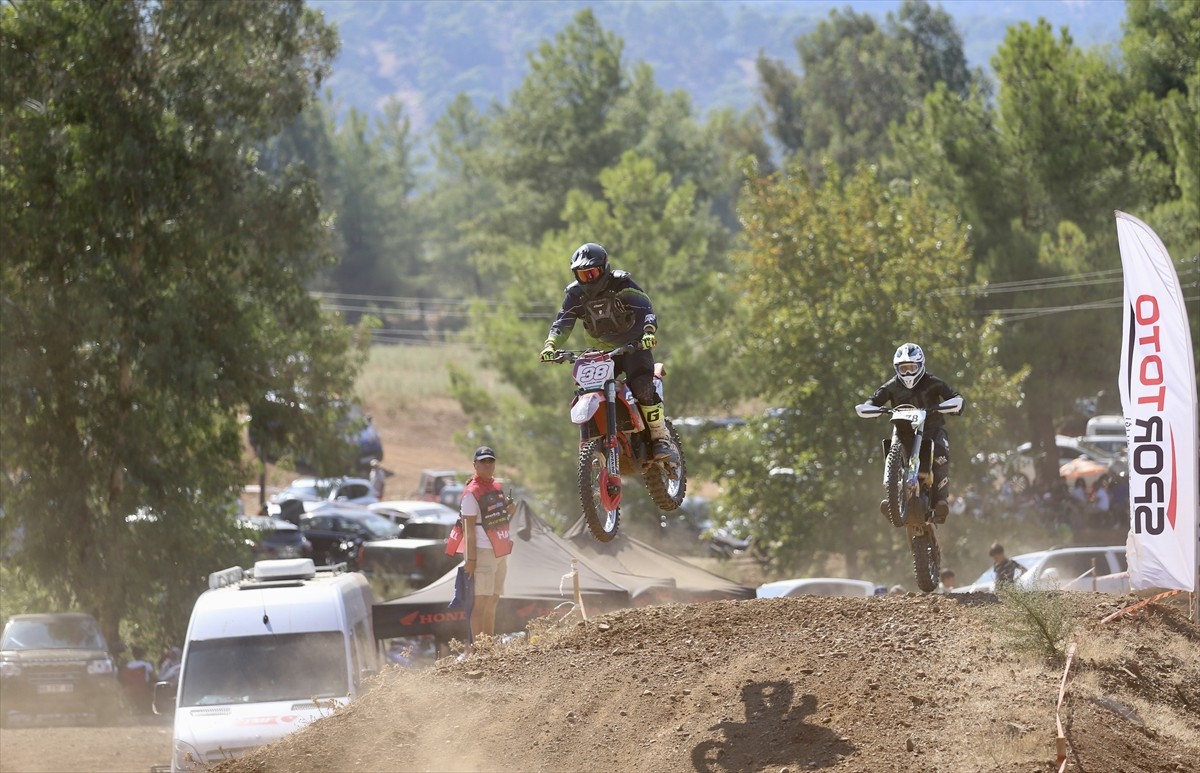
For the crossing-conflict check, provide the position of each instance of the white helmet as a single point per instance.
(909, 362)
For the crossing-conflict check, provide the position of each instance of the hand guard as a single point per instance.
(548, 353)
(649, 341)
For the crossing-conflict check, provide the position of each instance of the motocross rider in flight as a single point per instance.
(913, 386)
(615, 312)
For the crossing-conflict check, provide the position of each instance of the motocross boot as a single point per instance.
(660, 437)
(940, 511)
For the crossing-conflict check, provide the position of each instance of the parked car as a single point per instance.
(418, 555)
(1063, 569)
(430, 486)
(314, 492)
(401, 511)
(815, 586)
(1076, 458)
(269, 537)
(55, 663)
(338, 531)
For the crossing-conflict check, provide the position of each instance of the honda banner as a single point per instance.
(1158, 393)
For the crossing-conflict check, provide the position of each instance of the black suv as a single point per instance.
(55, 664)
(337, 532)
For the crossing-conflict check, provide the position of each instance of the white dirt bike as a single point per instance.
(909, 503)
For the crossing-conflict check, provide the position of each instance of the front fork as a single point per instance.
(610, 480)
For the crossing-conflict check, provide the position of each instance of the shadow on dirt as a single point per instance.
(774, 734)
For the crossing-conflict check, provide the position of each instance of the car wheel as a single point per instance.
(1019, 483)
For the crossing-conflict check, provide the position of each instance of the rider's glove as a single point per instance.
(649, 341)
(548, 352)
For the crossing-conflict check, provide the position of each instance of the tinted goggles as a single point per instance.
(588, 275)
(908, 368)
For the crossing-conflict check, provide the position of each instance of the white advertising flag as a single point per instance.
(1158, 394)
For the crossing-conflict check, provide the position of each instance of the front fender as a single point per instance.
(584, 407)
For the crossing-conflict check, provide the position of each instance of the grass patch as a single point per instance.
(403, 377)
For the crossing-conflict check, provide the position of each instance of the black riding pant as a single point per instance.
(639, 375)
(939, 444)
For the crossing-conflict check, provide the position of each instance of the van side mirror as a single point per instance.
(164, 697)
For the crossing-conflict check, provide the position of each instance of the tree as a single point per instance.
(153, 283)
(857, 78)
(1161, 45)
(833, 276)
(1037, 175)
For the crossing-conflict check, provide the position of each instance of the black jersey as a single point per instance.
(927, 393)
(616, 315)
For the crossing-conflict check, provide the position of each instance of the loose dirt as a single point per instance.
(879, 684)
(916, 683)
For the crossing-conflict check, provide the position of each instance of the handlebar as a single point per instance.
(568, 355)
(868, 411)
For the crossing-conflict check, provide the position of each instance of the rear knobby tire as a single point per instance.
(926, 562)
(666, 491)
(601, 523)
(897, 500)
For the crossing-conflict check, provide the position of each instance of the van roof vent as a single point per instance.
(285, 569)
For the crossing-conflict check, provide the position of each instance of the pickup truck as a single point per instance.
(418, 555)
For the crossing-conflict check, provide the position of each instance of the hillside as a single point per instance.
(880, 684)
(426, 53)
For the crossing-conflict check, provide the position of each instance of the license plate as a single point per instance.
(44, 689)
(288, 552)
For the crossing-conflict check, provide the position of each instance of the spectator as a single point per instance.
(378, 478)
(169, 663)
(137, 679)
(948, 581)
(1004, 568)
(484, 541)
(1100, 498)
(1079, 491)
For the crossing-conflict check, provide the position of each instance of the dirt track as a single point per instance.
(870, 685)
(881, 684)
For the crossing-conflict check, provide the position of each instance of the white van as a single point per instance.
(268, 651)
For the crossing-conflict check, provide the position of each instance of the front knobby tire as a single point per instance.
(667, 489)
(927, 560)
(897, 500)
(602, 523)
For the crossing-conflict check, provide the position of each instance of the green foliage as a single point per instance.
(1034, 621)
(153, 284)
(1037, 173)
(833, 276)
(859, 77)
(1162, 45)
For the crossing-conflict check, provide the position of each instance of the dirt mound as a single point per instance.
(878, 684)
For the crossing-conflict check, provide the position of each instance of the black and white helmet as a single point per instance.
(909, 362)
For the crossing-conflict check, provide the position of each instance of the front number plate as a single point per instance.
(590, 374)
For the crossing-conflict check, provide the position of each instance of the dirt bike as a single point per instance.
(614, 440)
(909, 486)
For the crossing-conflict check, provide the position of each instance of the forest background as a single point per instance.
(212, 221)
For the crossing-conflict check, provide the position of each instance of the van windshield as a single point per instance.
(257, 669)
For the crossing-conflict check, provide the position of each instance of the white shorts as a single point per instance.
(489, 572)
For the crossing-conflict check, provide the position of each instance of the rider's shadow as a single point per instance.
(773, 735)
